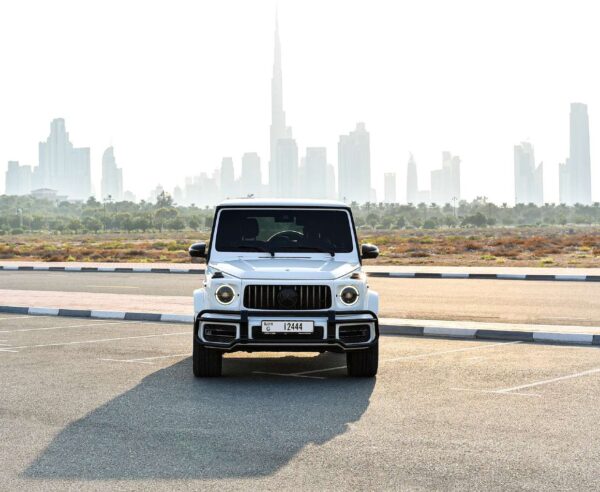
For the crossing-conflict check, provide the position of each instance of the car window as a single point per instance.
(279, 230)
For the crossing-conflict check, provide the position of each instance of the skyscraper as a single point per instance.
(529, 180)
(63, 167)
(412, 181)
(286, 178)
(251, 180)
(279, 130)
(389, 188)
(112, 177)
(575, 173)
(227, 178)
(445, 182)
(18, 179)
(354, 166)
(315, 185)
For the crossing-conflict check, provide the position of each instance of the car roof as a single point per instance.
(282, 202)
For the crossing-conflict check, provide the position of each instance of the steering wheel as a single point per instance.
(289, 236)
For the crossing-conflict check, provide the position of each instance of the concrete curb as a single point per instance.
(424, 275)
(487, 276)
(19, 268)
(91, 313)
(385, 329)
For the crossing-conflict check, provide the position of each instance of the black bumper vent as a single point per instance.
(214, 332)
(287, 297)
(354, 333)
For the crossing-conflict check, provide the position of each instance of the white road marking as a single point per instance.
(122, 360)
(90, 323)
(145, 360)
(113, 286)
(471, 390)
(549, 381)
(296, 375)
(59, 344)
(417, 356)
(8, 350)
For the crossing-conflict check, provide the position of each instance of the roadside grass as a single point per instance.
(510, 246)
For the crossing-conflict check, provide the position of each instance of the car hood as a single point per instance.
(286, 268)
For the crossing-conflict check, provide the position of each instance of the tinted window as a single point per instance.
(284, 231)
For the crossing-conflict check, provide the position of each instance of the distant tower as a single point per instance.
(412, 182)
(63, 167)
(279, 130)
(286, 182)
(579, 164)
(445, 182)
(529, 180)
(251, 180)
(316, 173)
(389, 188)
(354, 166)
(227, 178)
(18, 179)
(112, 177)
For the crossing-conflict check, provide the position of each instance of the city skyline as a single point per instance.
(323, 100)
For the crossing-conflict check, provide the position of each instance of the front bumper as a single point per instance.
(333, 330)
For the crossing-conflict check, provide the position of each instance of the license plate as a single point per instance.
(287, 326)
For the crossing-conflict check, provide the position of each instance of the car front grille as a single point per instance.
(288, 297)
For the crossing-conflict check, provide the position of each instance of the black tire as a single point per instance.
(363, 363)
(207, 363)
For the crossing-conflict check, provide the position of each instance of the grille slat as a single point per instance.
(298, 297)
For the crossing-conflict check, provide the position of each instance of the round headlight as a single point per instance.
(349, 295)
(225, 294)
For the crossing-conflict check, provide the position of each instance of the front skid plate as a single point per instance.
(244, 343)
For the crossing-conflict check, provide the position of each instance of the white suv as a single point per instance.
(284, 275)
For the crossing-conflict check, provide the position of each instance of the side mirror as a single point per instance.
(369, 251)
(197, 250)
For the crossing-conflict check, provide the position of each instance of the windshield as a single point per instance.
(281, 230)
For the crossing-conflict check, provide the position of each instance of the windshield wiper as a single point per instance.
(308, 248)
(249, 247)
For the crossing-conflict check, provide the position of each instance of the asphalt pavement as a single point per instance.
(105, 405)
(505, 301)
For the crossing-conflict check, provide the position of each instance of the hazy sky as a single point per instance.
(177, 85)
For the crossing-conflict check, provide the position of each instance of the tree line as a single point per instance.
(19, 214)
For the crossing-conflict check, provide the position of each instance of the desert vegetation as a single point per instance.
(475, 233)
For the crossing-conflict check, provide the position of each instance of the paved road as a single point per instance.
(96, 405)
(560, 303)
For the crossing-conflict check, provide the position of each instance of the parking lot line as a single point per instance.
(90, 323)
(495, 392)
(79, 342)
(416, 356)
(146, 360)
(125, 360)
(292, 375)
(113, 286)
(549, 381)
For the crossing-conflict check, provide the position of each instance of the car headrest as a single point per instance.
(249, 228)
